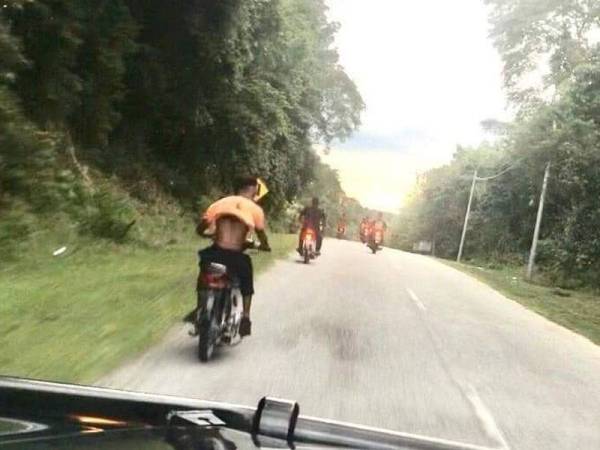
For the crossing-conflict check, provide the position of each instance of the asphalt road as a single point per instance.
(397, 341)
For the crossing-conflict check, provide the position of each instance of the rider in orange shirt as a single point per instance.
(365, 225)
(379, 225)
(231, 219)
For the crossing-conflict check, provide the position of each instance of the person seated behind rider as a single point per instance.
(232, 218)
(312, 217)
(379, 225)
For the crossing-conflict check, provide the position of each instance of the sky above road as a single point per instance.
(428, 74)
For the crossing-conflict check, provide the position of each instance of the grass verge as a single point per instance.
(75, 316)
(574, 309)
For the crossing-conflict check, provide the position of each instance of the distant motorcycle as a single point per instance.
(375, 240)
(341, 232)
(219, 312)
(309, 245)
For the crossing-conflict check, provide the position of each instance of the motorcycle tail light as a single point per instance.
(309, 235)
(214, 281)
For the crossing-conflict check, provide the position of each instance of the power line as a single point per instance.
(471, 193)
(512, 166)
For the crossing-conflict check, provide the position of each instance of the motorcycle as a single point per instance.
(375, 240)
(341, 232)
(363, 237)
(309, 245)
(219, 311)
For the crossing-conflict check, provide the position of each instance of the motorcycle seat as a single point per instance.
(216, 269)
(219, 271)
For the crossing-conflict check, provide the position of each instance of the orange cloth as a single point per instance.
(379, 225)
(243, 208)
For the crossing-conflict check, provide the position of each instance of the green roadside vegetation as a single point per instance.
(560, 130)
(73, 317)
(119, 122)
(577, 310)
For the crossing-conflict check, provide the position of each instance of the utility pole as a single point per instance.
(464, 231)
(538, 223)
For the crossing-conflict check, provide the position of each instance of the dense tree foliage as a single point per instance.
(27, 156)
(563, 130)
(187, 93)
(541, 43)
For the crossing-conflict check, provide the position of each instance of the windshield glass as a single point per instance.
(384, 210)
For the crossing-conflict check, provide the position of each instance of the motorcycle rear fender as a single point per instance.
(309, 242)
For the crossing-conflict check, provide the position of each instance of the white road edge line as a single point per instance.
(485, 417)
(415, 299)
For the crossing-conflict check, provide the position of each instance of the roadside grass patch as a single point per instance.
(578, 310)
(75, 316)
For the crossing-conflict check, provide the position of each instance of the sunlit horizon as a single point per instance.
(428, 80)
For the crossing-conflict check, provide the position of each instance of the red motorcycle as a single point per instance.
(341, 232)
(364, 233)
(218, 315)
(309, 245)
(375, 240)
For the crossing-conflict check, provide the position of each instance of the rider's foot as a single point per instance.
(191, 316)
(245, 327)
(299, 250)
(318, 253)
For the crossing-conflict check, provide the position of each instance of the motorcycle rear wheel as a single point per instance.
(206, 343)
(306, 256)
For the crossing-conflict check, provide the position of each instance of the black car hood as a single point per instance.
(43, 415)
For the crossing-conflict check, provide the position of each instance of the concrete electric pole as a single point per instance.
(538, 223)
(464, 231)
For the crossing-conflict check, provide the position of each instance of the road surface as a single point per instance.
(397, 341)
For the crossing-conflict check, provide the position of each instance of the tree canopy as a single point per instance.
(563, 129)
(188, 92)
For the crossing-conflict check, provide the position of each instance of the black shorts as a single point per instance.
(238, 265)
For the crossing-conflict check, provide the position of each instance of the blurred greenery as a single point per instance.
(120, 121)
(182, 96)
(125, 110)
(74, 316)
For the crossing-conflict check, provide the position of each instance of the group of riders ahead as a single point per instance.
(230, 220)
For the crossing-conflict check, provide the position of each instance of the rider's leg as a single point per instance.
(247, 305)
(300, 240)
(319, 242)
(246, 323)
(246, 276)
